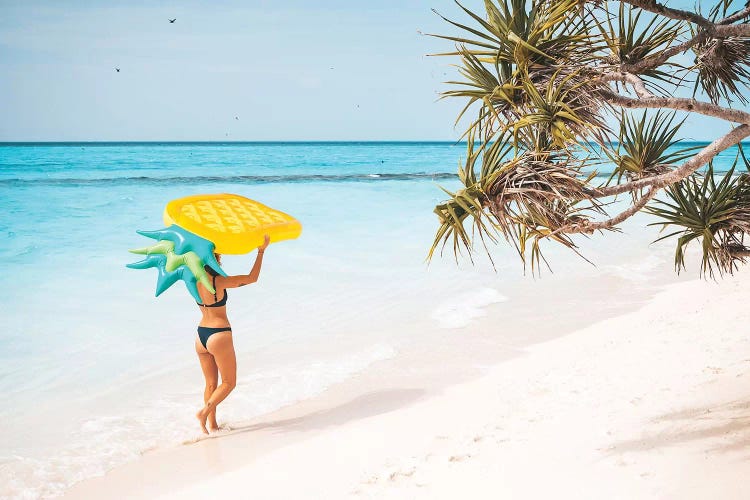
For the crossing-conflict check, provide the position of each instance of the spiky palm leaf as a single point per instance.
(717, 215)
(563, 104)
(632, 40)
(723, 66)
(723, 8)
(470, 201)
(533, 195)
(545, 34)
(563, 101)
(647, 146)
(516, 41)
(494, 88)
(525, 198)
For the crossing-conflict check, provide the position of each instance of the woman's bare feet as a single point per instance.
(213, 426)
(202, 416)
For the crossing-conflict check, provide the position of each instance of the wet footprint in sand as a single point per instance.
(223, 430)
(196, 439)
(371, 480)
(399, 473)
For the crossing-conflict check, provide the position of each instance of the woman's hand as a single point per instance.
(266, 242)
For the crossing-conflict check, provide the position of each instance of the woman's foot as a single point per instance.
(202, 416)
(213, 426)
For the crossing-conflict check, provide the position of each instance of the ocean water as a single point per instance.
(99, 371)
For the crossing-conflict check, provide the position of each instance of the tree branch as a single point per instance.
(742, 14)
(722, 29)
(588, 227)
(725, 31)
(676, 175)
(634, 80)
(680, 15)
(656, 60)
(655, 184)
(681, 104)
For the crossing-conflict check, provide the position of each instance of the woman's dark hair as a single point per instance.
(210, 270)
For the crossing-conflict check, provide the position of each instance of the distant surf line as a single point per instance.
(239, 179)
(244, 179)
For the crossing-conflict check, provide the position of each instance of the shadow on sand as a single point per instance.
(366, 405)
(723, 428)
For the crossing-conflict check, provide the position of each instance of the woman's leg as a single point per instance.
(211, 374)
(221, 347)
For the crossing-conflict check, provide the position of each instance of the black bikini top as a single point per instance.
(217, 303)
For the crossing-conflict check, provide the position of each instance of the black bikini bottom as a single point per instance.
(204, 332)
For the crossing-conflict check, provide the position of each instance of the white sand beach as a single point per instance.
(648, 404)
(460, 223)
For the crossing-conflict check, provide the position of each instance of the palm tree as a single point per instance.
(543, 82)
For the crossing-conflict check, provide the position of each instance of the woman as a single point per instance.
(214, 342)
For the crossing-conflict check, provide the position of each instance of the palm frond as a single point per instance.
(631, 40)
(723, 68)
(525, 198)
(564, 103)
(715, 214)
(647, 146)
(723, 7)
(538, 33)
(468, 203)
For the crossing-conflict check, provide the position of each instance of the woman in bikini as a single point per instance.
(214, 342)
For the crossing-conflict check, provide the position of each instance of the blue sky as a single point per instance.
(230, 70)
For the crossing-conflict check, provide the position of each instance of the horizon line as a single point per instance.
(354, 141)
(300, 141)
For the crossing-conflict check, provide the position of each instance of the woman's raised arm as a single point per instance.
(252, 276)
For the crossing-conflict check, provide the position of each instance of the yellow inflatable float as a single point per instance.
(234, 224)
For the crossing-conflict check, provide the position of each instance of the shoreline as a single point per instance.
(389, 387)
(111, 411)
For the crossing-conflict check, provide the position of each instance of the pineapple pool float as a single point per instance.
(201, 225)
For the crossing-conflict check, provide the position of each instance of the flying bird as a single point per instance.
(236, 117)
(117, 69)
(171, 21)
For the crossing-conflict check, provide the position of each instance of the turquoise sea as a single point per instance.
(100, 371)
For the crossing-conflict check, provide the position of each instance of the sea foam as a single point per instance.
(104, 442)
(465, 307)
